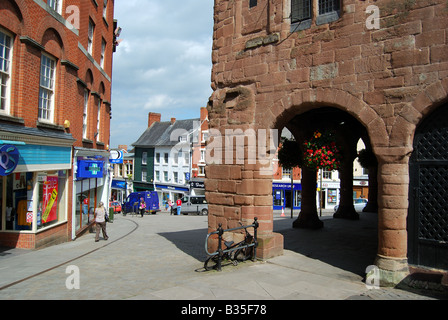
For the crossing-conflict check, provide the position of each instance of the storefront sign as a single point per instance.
(116, 156)
(50, 195)
(90, 169)
(117, 184)
(9, 158)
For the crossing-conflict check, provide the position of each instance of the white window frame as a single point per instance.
(144, 157)
(103, 52)
(47, 88)
(90, 36)
(98, 121)
(105, 10)
(6, 54)
(85, 114)
(56, 5)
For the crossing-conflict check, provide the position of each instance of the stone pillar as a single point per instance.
(393, 181)
(308, 217)
(346, 210)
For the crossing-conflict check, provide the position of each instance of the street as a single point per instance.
(161, 257)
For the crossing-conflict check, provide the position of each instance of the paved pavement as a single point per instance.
(161, 257)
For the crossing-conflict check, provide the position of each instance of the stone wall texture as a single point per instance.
(388, 79)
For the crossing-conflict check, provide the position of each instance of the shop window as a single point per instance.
(51, 208)
(85, 202)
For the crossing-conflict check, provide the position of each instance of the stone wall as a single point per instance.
(388, 78)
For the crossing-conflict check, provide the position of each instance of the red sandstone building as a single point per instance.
(380, 75)
(55, 110)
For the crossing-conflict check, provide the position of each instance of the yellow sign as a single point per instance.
(54, 196)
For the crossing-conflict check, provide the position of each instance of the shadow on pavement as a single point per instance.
(192, 242)
(345, 244)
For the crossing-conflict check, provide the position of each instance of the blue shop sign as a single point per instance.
(173, 188)
(9, 158)
(90, 169)
(118, 184)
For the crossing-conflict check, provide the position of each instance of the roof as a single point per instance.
(159, 133)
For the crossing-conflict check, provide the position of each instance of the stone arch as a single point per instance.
(11, 16)
(302, 101)
(402, 133)
(53, 43)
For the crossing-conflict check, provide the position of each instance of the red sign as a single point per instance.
(50, 195)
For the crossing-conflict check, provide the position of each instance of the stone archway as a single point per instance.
(236, 189)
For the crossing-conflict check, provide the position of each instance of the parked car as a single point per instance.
(193, 204)
(358, 203)
(115, 205)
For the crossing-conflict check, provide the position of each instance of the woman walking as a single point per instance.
(142, 206)
(100, 220)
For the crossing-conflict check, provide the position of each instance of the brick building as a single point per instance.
(379, 75)
(56, 70)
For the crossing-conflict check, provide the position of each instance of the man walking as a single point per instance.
(179, 205)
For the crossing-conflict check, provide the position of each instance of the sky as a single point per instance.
(163, 63)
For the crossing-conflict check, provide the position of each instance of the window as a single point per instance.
(328, 6)
(46, 91)
(56, 5)
(129, 169)
(144, 175)
(103, 52)
(286, 173)
(176, 177)
(157, 159)
(5, 71)
(302, 10)
(326, 174)
(90, 37)
(165, 176)
(186, 158)
(252, 3)
(157, 176)
(175, 157)
(98, 124)
(84, 119)
(165, 158)
(144, 157)
(105, 10)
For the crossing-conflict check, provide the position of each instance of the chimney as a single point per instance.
(123, 147)
(153, 117)
(173, 120)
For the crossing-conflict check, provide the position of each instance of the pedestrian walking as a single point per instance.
(100, 221)
(142, 206)
(170, 205)
(179, 205)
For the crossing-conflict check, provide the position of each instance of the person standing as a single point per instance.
(100, 221)
(179, 205)
(142, 206)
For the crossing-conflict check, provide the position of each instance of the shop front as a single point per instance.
(168, 192)
(91, 186)
(329, 194)
(34, 188)
(281, 193)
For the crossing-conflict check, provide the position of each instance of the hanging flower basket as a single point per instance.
(322, 152)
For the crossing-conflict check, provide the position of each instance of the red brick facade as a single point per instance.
(388, 79)
(61, 34)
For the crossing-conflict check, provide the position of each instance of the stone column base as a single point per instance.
(391, 270)
(269, 245)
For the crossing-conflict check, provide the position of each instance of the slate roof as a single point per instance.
(159, 133)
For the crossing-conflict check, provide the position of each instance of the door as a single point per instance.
(428, 196)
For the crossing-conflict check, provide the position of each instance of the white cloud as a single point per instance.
(163, 63)
(158, 102)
